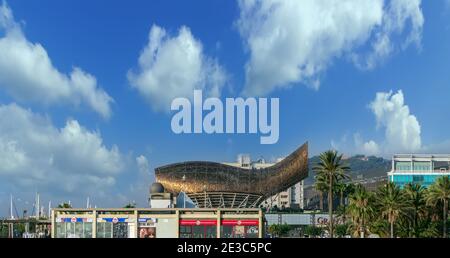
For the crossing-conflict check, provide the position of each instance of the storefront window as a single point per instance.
(120, 230)
(147, 232)
(227, 231)
(104, 230)
(211, 232)
(252, 231)
(112, 230)
(147, 228)
(185, 232)
(239, 229)
(198, 229)
(60, 230)
(68, 229)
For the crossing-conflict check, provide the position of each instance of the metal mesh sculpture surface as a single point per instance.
(212, 184)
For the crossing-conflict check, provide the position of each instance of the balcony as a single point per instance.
(436, 171)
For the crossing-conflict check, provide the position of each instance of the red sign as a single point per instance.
(73, 219)
(235, 222)
(194, 222)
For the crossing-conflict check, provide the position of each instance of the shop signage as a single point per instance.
(249, 222)
(193, 222)
(115, 220)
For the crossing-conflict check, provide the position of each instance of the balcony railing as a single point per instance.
(420, 171)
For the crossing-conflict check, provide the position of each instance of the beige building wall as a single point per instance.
(167, 225)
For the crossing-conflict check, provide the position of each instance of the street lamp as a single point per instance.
(184, 192)
(204, 190)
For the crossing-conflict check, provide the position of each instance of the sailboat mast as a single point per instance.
(49, 208)
(11, 207)
(38, 206)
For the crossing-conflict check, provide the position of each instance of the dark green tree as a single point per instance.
(391, 203)
(313, 231)
(361, 210)
(416, 197)
(439, 192)
(130, 205)
(64, 205)
(331, 168)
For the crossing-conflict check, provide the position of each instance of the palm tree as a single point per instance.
(130, 205)
(64, 205)
(415, 195)
(340, 189)
(392, 203)
(439, 191)
(331, 168)
(321, 185)
(344, 190)
(360, 209)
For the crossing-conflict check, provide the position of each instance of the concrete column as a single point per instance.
(53, 224)
(219, 219)
(136, 223)
(10, 230)
(260, 222)
(94, 223)
(177, 212)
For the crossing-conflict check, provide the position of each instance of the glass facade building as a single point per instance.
(421, 169)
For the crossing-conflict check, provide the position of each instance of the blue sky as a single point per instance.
(384, 85)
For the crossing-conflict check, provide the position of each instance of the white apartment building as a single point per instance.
(421, 169)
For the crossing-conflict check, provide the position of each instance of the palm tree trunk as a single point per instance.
(415, 222)
(392, 228)
(343, 207)
(362, 228)
(321, 201)
(444, 234)
(330, 205)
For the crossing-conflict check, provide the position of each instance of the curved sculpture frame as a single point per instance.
(196, 177)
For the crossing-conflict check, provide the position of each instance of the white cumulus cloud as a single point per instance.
(292, 41)
(402, 129)
(398, 15)
(356, 146)
(173, 66)
(371, 148)
(35, 153)
(27, 72)
(142, 164)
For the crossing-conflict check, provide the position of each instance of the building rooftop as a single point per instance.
(422, 156)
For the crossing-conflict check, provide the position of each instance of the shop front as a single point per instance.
(74, 227)
(236, 228)
(157, 223)
(205, 228)
(114, 227)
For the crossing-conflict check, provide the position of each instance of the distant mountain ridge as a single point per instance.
(361, 166)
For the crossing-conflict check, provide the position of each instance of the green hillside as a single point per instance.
(361, 167)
